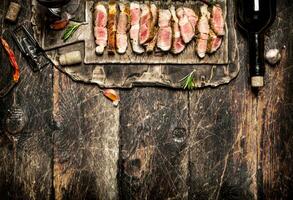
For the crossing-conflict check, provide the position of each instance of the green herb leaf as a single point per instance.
(70, 30)
(188, 81)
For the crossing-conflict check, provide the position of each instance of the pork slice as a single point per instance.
(214, 42)
(122, 28)
(100, 30)
(186, 28)
(123, 18)
(134, 29)
(134, 13)
(201, 45)
(164, 18)
(192, 17)
(121, 40)
(112, 28)
(154, 12)
(217, 20)
(100, 39)
(203, 29)
(145, 24)
(164, 38)
(178, 43)
(164, 41)
(150, 47)
(100, 14)
(203, 23)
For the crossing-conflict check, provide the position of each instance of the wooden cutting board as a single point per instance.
(131, 69)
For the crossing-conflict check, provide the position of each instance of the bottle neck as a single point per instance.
(256, 58)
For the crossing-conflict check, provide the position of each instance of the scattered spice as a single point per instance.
(12, 59)
(112, 95)
(59, 24)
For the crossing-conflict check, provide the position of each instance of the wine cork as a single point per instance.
(70, 58)
(12, 12)
(257, 81)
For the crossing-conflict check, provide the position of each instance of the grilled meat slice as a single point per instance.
(154, 13)
(214, 42)
(122, 28)
(192, 17)
(186, 28)
(100, 30)
(150, 46)
(203, 29)
(217, 20)
(134, 30)
(112, 23)
(178, 43)
(164, 41)
(145, 24)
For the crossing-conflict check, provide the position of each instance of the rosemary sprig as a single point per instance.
(70, 30)
(188, 82)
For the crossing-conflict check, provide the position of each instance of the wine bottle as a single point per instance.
(255, 17)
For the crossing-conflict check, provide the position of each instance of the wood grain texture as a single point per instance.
(26, 161)
(86, 142)
(275, 102)
(153, 144)
(216, 143)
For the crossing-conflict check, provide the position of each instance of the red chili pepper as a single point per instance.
(12, 59)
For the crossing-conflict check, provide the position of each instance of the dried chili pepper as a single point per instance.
(12, 59)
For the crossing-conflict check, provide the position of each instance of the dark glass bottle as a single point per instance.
(255, 17)
(53, 3)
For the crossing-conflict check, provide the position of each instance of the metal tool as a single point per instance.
(36, 56)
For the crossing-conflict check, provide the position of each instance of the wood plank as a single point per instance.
(223, 142)
(26, 163)
(86, 144)
(276, 111)
(153, 138)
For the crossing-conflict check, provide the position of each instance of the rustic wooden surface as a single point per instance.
(214, 143)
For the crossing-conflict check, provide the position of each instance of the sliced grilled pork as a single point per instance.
(112, 23)
(100, 30)
(164, 41)
(145, 24)
(203, 30)
(186, 28)
(177, 44)
(150, 46)
(214, 42)
(154, 12)
(192, 17)
(217, 20)
(134, 30)
(122, 28)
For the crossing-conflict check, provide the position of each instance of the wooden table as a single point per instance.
(223, 143)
